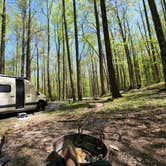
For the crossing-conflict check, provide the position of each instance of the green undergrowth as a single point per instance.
(74, 106)
(145, 99)
(70, 108)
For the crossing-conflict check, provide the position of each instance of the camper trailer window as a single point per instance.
(5, 88)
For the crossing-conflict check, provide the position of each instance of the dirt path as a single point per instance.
(143, 135)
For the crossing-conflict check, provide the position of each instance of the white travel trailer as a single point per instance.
(18, 94)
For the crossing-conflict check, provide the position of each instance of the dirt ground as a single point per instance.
(136, 133)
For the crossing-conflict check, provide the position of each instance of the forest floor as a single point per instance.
(139, 117)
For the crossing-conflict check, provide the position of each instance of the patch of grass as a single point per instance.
(136, 101)
(73, 109)
(160, 86)
(143, 100)
(74, 106)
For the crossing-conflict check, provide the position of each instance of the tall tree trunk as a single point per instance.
(113, 84)
(48, 15)
(164, 2)
(145, 69)
(149, 54)
(163, 5)
(3, 36)
(115, 59)
(160, 34)
(136, 65)
(90, 82)
(124, 77)
(23, 41)
(68, 52)
(146, 36)
(155, 67)
(28, 55)
(17, 53)
(117, 70)
(58, 48)
(84, 85)
(67, 94)
(127, 52)
(79, 88)
(44, 73)
(37, 52)
(164, 8)
(48, 58)
(93, 80)
(147, 45)
(103, 91)
(59, 69)
(64, 64)
(96, 79)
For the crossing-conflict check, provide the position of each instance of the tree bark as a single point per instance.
(68, 52)
(146, 36)
(164, 2)
(94, 89)
(160, 34)
(136, 65)
(163, 5)
(3, 36)
(147, 46)
(79, 88)
(96, 79)
(124, 77)
(127, 52)
(17, 52)
(149, 80)
(48, 50)
(103, 91)
(28, 55)
(48, 59)
(23, 40)
(44, 72)
(145, 69)
(59, 69)
(155, 67)
(113, 84)
(37, 52)
(116, 59)
(64, 65)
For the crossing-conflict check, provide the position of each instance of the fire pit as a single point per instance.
(88, 149)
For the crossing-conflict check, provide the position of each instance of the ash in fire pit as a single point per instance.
(88, 149)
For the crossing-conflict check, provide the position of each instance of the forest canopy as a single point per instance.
(81, 48)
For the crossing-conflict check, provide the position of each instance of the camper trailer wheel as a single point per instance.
(41, 106)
